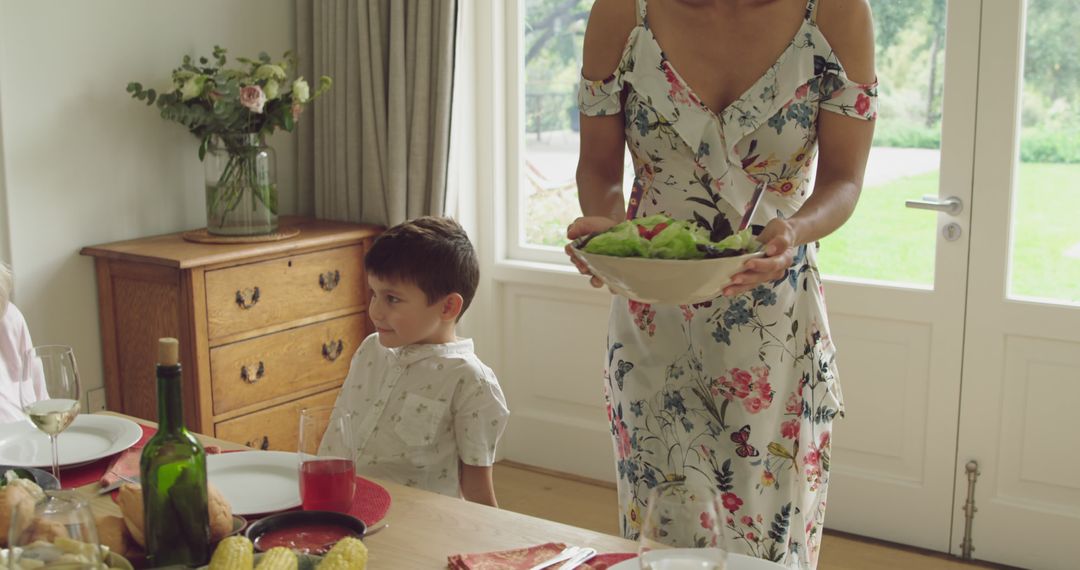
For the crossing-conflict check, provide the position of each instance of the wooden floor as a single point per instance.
(594, 506)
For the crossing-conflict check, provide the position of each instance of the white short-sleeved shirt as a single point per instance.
(419, 409)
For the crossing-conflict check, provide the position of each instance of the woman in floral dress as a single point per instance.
(738, 393)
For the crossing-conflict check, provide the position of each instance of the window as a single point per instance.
(544, 200)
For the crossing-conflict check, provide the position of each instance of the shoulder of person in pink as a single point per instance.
(14, 344)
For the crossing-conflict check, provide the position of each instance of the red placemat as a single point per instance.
(80, 475)
(371, 502)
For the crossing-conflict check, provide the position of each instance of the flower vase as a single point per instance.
(241, 186)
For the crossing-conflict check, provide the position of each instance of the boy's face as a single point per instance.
(402, 315)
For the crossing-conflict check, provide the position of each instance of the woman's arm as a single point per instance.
(844, 144)
(603, 142)
(477, 485)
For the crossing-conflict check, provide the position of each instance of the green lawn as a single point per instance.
(885, 241)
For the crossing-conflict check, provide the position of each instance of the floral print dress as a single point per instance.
(738, 394)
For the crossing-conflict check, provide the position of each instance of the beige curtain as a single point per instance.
(375, 148)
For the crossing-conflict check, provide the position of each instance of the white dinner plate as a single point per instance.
(256, 482)
(88, 438)
(734, 562)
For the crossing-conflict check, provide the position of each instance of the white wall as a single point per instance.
(82, 163)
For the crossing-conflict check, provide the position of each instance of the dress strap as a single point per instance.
(811, 11)
(641, 10)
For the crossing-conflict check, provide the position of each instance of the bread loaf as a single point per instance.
(131, 505)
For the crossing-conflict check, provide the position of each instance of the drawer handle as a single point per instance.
(263, 446)
(332, 350)
(247, 298)
(245, 373)
(329, 280)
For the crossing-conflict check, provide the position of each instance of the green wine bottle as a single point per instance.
(173, 471)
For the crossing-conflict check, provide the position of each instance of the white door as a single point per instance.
(896, 280)
(1021, 378)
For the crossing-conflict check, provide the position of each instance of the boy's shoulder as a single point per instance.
(458, 360)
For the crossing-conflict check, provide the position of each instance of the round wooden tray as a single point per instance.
(203, 236)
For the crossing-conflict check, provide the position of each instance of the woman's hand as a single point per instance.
(779, 239)
(581, 227)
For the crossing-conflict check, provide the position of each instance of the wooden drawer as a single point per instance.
(248, 297)
(276, 428)
(275, 365)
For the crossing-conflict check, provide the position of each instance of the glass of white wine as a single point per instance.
(683, 529)
(49, 392)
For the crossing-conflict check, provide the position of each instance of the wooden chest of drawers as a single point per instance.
(265, 329)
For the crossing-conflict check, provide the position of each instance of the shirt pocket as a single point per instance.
(420, 419)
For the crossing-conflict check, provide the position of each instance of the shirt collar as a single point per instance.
(413, 353)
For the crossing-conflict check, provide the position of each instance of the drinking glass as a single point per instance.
(682, 529)
(57, 532)
(327, 459)
(49, 392)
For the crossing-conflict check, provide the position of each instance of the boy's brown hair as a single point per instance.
(432, 252)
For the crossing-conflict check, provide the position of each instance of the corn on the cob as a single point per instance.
(233, 553)
(277, 558)
(348, 554)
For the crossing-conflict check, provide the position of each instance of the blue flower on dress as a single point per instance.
(722, 335)
(674, 371)
(635, 408)
(687, 424)
(673, 401)
(764, 295)
(800, 113)
(777, 122)
(737, 314)
(703, 150)
(641, 121)
(649, 478)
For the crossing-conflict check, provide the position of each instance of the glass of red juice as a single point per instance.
(327, 459)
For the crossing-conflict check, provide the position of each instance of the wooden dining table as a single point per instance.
(424, 528)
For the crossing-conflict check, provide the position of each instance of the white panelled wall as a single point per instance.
(82, 163)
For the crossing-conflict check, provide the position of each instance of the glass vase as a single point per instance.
(241, 186)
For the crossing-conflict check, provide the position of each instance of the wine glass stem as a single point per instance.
(55, 458)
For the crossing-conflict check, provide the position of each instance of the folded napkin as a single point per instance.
(525, 558)
(125, 465)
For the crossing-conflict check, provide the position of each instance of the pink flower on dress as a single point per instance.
(764, 389)
(862, 104)
(253, 98)
(753, 405)
(751, 536)
(802, 91)
(747, 520)
(731, 501)
(812, 457)
(790, 429)
(624, 440)
(767, 480)
(741, 380)
(687, 313)
(707, 521)
(794, 405)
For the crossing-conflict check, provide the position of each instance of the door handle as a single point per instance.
(951, 205)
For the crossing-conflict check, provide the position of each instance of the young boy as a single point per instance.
(428, 413)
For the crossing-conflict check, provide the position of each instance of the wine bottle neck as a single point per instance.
(170, 398)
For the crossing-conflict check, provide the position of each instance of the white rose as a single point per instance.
(271, 89)
(192, 88)
(269, 71)
(301, 91)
